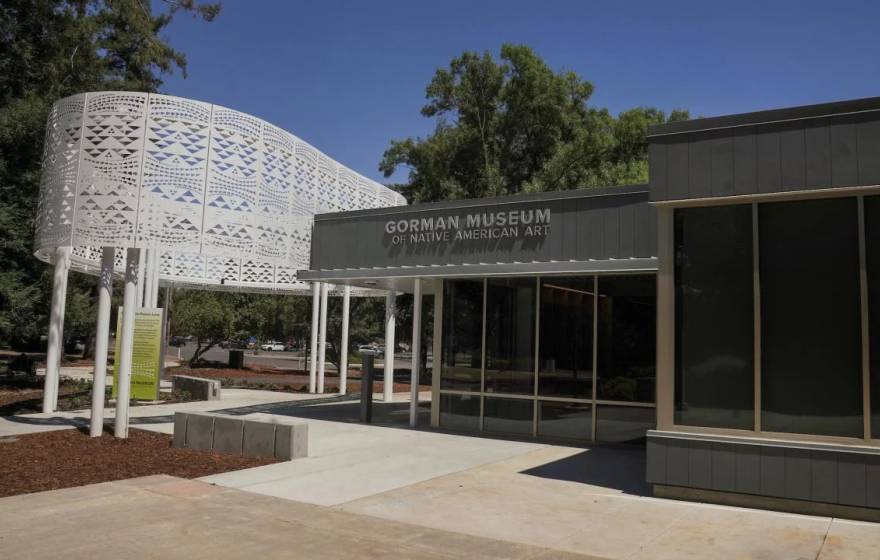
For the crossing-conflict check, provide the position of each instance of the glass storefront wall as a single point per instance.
(778, 294)
(570, 358)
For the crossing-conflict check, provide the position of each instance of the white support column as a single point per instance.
(154, 296)
(102, 336)
(55, 344)
(123, 361)
(390, 322)
(322, 336)
(343, 345)
(141, 281)
(416, 354)
(313, 358)
(147, 274)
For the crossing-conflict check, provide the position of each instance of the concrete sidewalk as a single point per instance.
(166, 517)
(154, 417)
(590, 501)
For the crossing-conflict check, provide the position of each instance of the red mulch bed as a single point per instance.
(22, 396)
(65, 458)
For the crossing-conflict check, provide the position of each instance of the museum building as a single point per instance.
(727, 313)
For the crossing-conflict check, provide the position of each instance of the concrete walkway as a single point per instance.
(156, 417)
(166, 517)
(567, 499)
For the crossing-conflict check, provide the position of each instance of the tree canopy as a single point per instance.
(515, 125)
(50, 49)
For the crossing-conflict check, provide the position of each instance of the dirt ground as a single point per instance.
(65, 458)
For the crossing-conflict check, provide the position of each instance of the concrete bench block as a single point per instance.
(200, 431)
(228, 435)
(201, 389)
(259, 438)
(291, 441)
(180, 419)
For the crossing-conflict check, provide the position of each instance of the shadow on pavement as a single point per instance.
(620, 467)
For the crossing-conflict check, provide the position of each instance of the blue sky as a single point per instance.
(350, 76)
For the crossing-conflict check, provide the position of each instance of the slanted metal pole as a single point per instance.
(343, 345)
(123, 361)
(102, 336)
(416, 354)
(313, 358)
(322, 335)
(55, 344)
(390, 321)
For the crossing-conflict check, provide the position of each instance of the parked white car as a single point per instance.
(272, 346)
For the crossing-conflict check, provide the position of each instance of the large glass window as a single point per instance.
(462, 335)
(460, 412)
(566, 345)
(510, 335)
(565, 420)
(508, 416)
(624, 424)
(811, 380)
(627, 341)
(872, 247)
(714, 330)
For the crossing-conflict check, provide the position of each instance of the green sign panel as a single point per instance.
(146, 354)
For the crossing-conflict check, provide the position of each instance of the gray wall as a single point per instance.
(804, 154)
(820, 474)
(607, 223)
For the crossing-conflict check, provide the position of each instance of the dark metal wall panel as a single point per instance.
(645, 230)
(722, 165)
(657, 164)
(792, 162)
(655, 466)
(773, 471)
(834, 151)
(700, 167)
(626, 228)
(868, 141)
(844, 152)
(834, 476)
(872, 486)
(612, 231)
(817, 149)
(723, 468)
(748, 468)
(745, 163)
(676, 171)
(851, 480)
(798, 474)
(582, 227)
(769, 176)
(700, 464)
(677, 463)
(824, 476)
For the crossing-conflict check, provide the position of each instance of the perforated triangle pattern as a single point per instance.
(226, 198)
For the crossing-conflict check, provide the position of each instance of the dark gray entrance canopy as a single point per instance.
(610, 229)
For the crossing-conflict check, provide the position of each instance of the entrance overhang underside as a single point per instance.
(400, 279)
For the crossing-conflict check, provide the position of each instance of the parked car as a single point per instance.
(177, 341)
(272, 346)
(370, 349)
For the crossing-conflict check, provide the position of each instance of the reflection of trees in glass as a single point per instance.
(462, 334)
(510, 335)
(627, 338)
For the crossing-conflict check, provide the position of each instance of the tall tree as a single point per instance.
(50, 49)
(514, 124)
